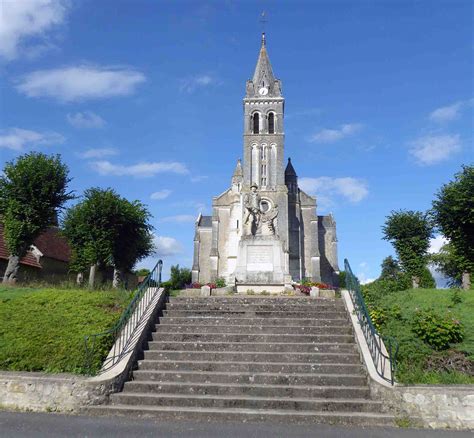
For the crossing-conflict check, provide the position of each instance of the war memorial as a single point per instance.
(264, 232)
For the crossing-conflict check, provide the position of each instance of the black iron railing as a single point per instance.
(122, 334)
(382, 349)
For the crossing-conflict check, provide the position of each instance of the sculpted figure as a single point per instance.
(269, 221)
(252, 209)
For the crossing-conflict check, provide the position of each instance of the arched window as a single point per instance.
(256, 123)
(271, 123)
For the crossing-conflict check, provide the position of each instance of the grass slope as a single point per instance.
(413, 351)
(43, 329)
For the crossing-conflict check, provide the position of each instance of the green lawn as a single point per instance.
(43, 329)
(400, 308)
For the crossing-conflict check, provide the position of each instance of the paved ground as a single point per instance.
(26, 425)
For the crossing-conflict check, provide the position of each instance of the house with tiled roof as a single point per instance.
(47, 259)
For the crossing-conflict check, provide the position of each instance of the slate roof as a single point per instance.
(205, 222)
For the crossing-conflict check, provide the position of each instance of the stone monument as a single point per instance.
(264, 231)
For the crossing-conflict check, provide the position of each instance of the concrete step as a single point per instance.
(247, 337)
(246, 402)
(310, 314)
(255, 329)
(239, 299)
(229, 320)
(251, 307)
(235, 414)
(248, 367)
(253, 389)
(251, 378)
(253, 356)
(282, 347)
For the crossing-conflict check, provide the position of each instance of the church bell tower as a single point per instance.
(263, 127)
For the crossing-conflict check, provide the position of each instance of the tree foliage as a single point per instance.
(449, 263)
(390, 269)
(32, 190)
(410, 233)
(179, 277)
(453, 212)
(108, 230)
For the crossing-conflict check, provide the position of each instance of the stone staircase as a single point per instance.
(245, 358)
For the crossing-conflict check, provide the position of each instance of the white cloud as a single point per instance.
(447, 113)
(191, 83)
(98, 153)
(167, 246)
(80, 83)
(198, 178)
(333, 135)
(140, 169)
(17, 139)
(181, 218)
(432, 149)
(161, 194)
(86, 119)
(352, 189)
(29, 21)
(436, 243)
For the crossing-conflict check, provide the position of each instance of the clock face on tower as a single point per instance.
(263, 91)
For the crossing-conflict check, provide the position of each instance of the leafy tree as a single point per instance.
(453, 211)
(142, 272)
(179, 277)
(33, 189)
(105, 229)
(410, 233)
(390, 269)
(449, 263)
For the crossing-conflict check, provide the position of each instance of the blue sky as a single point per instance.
(146, 97)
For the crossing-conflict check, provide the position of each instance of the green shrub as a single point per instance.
(436, 330)
(456, 298)
(220, 282)
(378, 316)
(426, 279)
(342, 279)
(179, 277)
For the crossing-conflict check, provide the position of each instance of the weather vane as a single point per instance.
(263, 20)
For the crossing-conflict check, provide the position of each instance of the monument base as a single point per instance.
(261, 262)
(257, 289)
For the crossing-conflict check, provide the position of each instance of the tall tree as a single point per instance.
(448, 262)
(390, 269)
(410, 233)
(105, 229)
(453, 211)
(32, 190)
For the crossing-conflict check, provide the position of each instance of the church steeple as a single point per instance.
(263, 83)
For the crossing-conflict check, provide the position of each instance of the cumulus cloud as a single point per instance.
(191, 83)
(333, 135)
(25, 24)
(167, 246)
(98, 153)
(352, 189)
(447, 113)
(161, 194)
(433, 149)
(85, 119)
(18, 139)
(436, 243)
(180, 218)
(81, 82)
(140, 169)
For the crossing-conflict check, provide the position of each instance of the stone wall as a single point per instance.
(434, 406)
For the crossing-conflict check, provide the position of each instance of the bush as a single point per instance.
(179, 277)
(342, 279)
(426, 280)
(378, 316)
(436, 330)
(220, 282)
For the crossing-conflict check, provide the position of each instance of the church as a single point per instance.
(264, 232)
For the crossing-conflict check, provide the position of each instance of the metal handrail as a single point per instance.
(381, 356)
(122, 332)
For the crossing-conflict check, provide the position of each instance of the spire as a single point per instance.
(238, 175)
(290, 170)
(263, 75)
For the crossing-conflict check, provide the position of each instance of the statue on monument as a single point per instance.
(252, 209)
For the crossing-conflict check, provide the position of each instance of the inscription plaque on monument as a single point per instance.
(260, 258)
